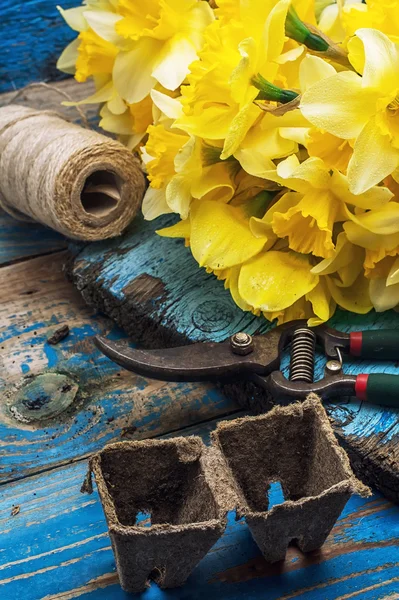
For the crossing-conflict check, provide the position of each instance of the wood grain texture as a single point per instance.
(57, 547)
(21, 240)
(35, 35)
(41, 424)
(153, 288)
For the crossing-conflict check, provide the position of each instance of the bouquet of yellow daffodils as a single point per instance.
(271, 127)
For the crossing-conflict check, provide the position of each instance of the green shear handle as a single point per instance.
(379, 344)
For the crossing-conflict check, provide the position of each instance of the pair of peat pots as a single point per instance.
(188, 488)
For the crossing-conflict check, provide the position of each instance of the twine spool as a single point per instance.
(76, 181)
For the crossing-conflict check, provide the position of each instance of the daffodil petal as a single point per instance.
(214, 181)
(132, 72)
(340, 104)
(312, 171)
(119, 124)
(313, 69)
(220, 236)
(255, 163)
(273, 281)
(356, 53)
(373, 158)
(382, 296)
(384, 221)
(270, 139)
(74, 17)
(103, 24)
(171, 107)
(382, 60)
(116, 105)
(355, 298)
(341, 257)
(239, 127)
(67, 60)
(178, 195)
(182, 229)
(232, 284)
(330, 23)
(273, 36)
(154, 204)
(323, 307)
(173, 61)
(212, 123)
(373, 198)
(298, 135)
(393, 276)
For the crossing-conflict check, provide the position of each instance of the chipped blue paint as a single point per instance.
(51, 355)
(104, 407)
(25, 368)
(36, 35)
(13, 331)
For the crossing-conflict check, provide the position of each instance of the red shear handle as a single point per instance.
(379, 344)
(378, 389)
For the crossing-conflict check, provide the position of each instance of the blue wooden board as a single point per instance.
(33, 35)
(57, 547)
(154, 289)
(20, 239)
(109, 405)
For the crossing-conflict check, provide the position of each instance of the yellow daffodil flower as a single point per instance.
(160, 43)
(377, 14)
(307, 218)
(179, 169)
(218, 103)
(366, 108)
(130, 122)
(335, 19)
(283, 168)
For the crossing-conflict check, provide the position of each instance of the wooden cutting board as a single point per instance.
(153, 288)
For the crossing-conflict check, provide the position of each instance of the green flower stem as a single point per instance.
(268, 91)
(297, 30)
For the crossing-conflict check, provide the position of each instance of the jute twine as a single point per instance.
(77, 181)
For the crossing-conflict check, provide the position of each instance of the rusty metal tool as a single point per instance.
(257, 358)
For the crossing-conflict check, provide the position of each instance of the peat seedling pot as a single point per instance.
(162, 514)
(295, 446)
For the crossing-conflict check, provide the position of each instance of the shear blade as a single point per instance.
(196, 362)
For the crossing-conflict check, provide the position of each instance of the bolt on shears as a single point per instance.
(257, 358)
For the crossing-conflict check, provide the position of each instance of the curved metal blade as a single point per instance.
(196, 362)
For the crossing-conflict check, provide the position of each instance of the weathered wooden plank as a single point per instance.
(154, 289)
(36, 34)
(21, 239)
(61, 402)
(51, 96)
(73, 558)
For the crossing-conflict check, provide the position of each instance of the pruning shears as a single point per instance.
(257, 358)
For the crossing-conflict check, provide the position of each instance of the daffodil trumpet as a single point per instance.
(271, 127)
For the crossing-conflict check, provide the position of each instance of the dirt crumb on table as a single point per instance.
(58, 335)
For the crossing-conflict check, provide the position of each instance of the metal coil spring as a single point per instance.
(302, 355)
